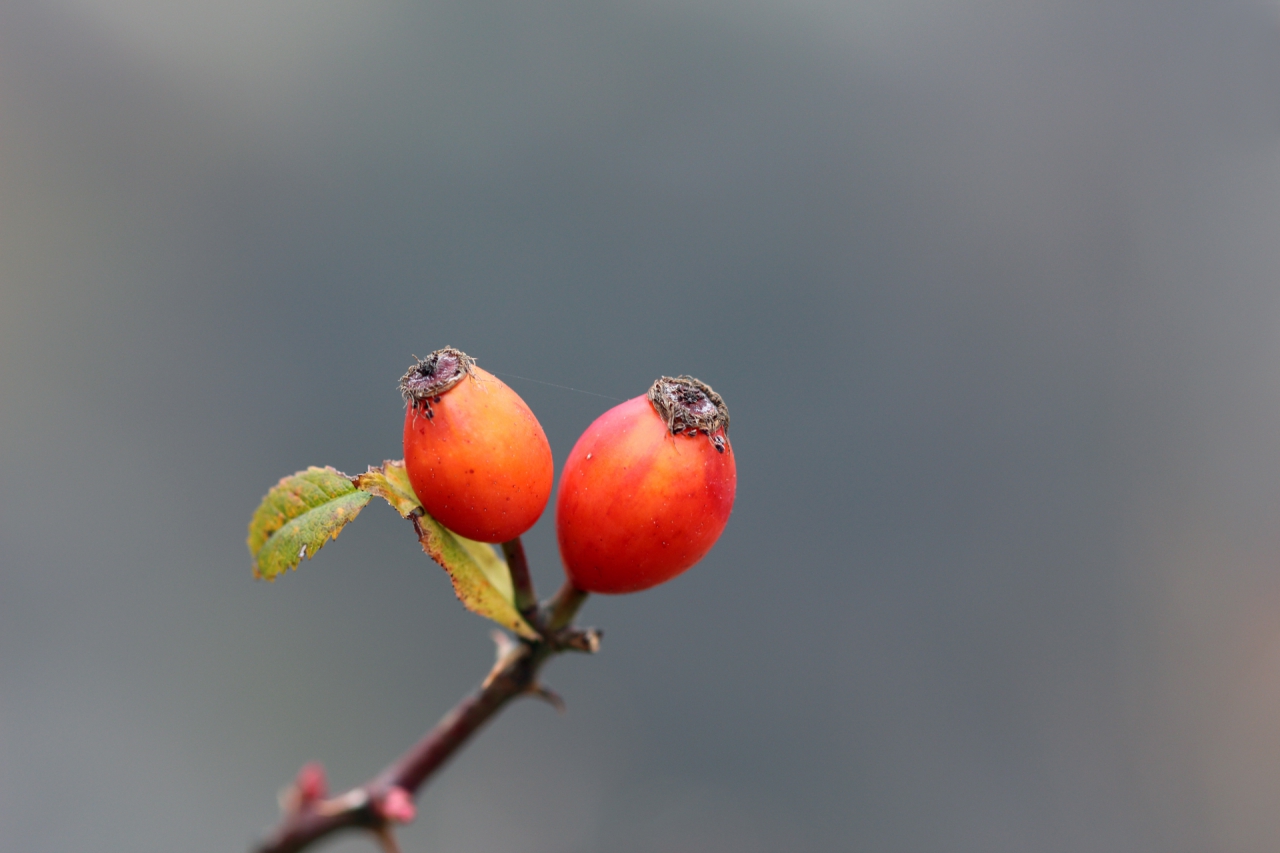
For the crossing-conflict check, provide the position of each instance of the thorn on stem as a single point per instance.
(580, 640)
(503, 643)
(506, 649)
(549, 696)
(386, 839)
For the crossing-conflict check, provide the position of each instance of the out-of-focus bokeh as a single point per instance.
(992, 290)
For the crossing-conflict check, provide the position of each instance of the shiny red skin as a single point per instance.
(638, 506)
(481, 465)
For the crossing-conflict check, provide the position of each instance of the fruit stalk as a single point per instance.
(526, 600)
(515, 674)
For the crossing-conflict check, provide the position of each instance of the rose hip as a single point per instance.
(647, 489)
(475, 454)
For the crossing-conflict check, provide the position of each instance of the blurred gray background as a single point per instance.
(992, 290)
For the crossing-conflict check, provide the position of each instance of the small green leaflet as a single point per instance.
(298, 516)
(480, 577)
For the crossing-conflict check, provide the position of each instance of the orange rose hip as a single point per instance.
(475, 454)
(647, 489)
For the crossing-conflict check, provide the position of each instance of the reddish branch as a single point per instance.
(379, 804)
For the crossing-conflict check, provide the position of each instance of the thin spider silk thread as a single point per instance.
(554, 385)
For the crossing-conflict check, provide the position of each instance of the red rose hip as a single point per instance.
(647, 489)
(475, 454)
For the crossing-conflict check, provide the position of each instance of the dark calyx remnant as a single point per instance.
(690, 407)
(430, 377)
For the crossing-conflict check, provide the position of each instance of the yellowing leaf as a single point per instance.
(391, 482)
(298, 516)
(480, 577)
(492, 564)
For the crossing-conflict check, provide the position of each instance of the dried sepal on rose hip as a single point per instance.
(647, 489)
(476, 456)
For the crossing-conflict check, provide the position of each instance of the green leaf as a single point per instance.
(480, 577)
(298, 516)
